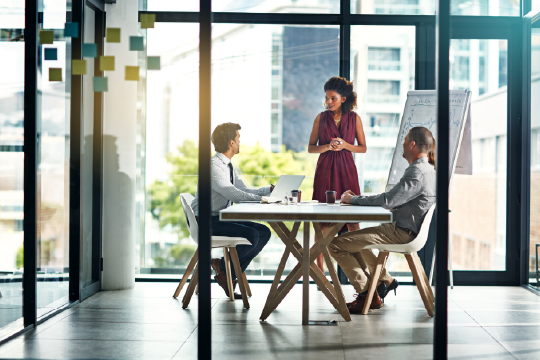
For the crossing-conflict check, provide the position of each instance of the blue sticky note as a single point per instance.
(51, 54)
(89, 50)
(136, 43)
(154, 63)
(101, 84)
(71, 30)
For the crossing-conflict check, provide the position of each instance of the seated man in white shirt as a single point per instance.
(227, 188)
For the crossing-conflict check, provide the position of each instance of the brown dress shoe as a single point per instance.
(376, 303)
(221, 279)
(215, 265)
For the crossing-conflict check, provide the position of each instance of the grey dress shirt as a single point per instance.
(410, 199)
(224, 193)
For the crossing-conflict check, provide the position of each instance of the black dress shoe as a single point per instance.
(381, 290)
(392, 286)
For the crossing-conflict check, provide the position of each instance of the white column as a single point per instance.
(119, 147)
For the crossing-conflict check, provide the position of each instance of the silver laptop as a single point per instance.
(284, 186)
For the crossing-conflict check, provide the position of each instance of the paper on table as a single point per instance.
(136, 43)
(154, 63)
(46, 36)
(51, 54)
(132, 73)
(55, 74)
(106, 63)
(71, 29)
(89, 50)
(147, 21)
(78, 67)
(113, 35)
(101, 84)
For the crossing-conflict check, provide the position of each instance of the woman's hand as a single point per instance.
(338, 144)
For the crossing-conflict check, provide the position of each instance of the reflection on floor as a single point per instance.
(51, 294)
(147, 323)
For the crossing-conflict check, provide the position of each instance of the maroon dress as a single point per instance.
(336, 169)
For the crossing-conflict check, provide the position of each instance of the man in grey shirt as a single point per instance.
(409, 201)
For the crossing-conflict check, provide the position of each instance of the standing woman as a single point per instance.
(333, 135)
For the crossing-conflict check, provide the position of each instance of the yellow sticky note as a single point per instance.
(106, 63)
(113, 35)
(78, 67)
(132, 73)
(147, 21)
(46, 36)
(55, 74)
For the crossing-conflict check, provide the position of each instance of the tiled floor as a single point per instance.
(147, 323)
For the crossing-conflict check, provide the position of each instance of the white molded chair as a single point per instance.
(229, 247)
(409, 250)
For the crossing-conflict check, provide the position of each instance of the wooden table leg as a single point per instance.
(305, 281)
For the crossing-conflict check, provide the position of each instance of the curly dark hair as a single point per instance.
(344, 88)
(222, 136)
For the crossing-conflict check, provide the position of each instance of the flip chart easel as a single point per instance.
(421, 110)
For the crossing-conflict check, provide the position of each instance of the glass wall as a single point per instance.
(53, 163)
(252, 6)
(478, 201)
(383, 71)
(394, 7)
(267, 78)
(534, 249)
(11, 159)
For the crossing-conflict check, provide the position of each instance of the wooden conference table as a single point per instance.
(335, 215)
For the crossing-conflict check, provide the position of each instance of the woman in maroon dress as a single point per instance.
(333, 136)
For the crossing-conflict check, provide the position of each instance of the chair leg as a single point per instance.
(420, 284)
(381, 260)
(228, 273)
(188, 271)
(246, 284)
(197, 289)
(424, 276)
(191, 288)
(238, 270)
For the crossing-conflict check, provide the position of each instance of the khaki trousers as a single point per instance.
(359, 263)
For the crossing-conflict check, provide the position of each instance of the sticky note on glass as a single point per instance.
(78, 67)
(136, 43)
(106, 63)
(132, 73)
(101, 84)
(89, 50)
(55, 74)
(46, 36)
(147, 21)
(113, 35)
(51, 54)
(154, 63)
(71, 29)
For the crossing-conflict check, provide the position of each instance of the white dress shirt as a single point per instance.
(224, 193)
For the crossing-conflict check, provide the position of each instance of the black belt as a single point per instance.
(408, 231)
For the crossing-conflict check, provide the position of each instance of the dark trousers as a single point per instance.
(257, 234)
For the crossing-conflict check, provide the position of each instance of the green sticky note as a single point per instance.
(51, 54)
(154, 63)
(78, 67)
(46, 36)
(89, 50)
(147, 21)
(136, 43)
(113, 35)
(101, 84)
(55, 74)
(132, 73)
(106, 63)
(71, 29)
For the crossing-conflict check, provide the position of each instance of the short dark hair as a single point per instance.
(222, 136)
(423, 138)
